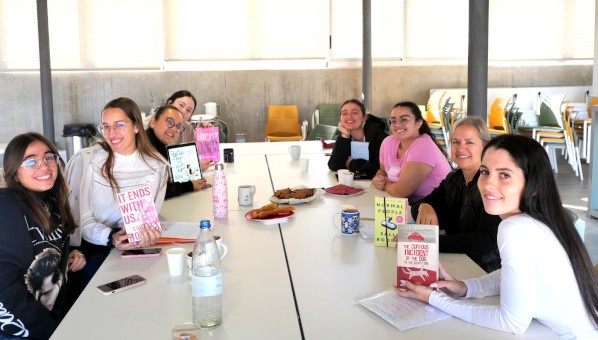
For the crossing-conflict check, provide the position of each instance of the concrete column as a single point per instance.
(477, 64)
(366, 91)
(594, 91)
(45, 69)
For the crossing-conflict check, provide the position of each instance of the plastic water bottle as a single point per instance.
(220, 193)
(206, 279)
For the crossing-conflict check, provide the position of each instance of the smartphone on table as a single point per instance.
(121, 285)
(145, 252)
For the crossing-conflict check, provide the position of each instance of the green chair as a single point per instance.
(329, 114)
(327, 132)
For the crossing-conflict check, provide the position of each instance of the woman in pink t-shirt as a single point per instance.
(411, 163)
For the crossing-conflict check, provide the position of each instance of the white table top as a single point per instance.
(257, 298)
(273, 148)
(268, 267)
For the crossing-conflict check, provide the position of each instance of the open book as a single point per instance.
(179, 232)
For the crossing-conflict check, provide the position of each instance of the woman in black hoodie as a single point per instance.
(356, 125)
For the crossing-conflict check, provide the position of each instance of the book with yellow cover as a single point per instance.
(389, 212)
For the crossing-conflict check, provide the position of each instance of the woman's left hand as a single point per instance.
(198, 184)
(204, 124)
(205, 164)
(149, 236)
(379, 182)
(418, 292)
(348, 161)
(76, 261)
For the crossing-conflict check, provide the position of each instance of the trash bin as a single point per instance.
(77, 137)
(240, 138)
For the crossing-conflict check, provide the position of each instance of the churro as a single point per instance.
(254, 213)
(267, 213)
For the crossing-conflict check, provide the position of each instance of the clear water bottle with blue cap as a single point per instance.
(206, 279)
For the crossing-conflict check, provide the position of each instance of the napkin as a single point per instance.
(275, 221)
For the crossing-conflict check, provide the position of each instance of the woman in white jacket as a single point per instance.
(124, 160)
(546, 271)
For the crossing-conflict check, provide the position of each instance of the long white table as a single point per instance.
(257, 297)
(295, 280)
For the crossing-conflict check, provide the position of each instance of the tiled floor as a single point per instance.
(574, 194)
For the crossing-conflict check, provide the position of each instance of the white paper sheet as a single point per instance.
(403, 313)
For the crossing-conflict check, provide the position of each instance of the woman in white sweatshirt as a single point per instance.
(546, 271)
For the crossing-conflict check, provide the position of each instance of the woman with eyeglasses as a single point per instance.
(35, 227)
(166, 125)
(125, 159)
(356, 125)
(411, 163)
(546, 271)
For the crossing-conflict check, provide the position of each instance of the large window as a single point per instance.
(153, 34)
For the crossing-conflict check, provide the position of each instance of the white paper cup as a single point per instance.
(176, 261)
(304, 164)
(346, 178)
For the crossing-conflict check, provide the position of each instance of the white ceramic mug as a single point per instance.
(246, 193)
(340, 173)
(295, 151)
(346, 178)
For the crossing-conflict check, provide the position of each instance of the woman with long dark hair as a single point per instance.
(356, 125)
(125, 159)
(35, 227)
(546, 270)
(186, 103)
(411, 163)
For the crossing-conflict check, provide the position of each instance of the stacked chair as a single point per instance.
(497, 118)
(437, 109)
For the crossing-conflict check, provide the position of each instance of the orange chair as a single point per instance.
(283, 124)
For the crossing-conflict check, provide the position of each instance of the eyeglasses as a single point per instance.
(179, 127)
(117, 127)
(51, 160)
(401, 120)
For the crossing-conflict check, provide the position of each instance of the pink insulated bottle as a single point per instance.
(220, 193)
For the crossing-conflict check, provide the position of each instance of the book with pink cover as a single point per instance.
(138, 210)
(417, 254)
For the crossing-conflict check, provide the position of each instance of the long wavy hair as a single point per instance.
(142, 142)
(59, 193)
(424, 128)
(541, 201)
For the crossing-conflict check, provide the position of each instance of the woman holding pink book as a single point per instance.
(123, 161)
(546, 270)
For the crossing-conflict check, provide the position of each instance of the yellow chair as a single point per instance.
(497, 120)
(283, 124)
